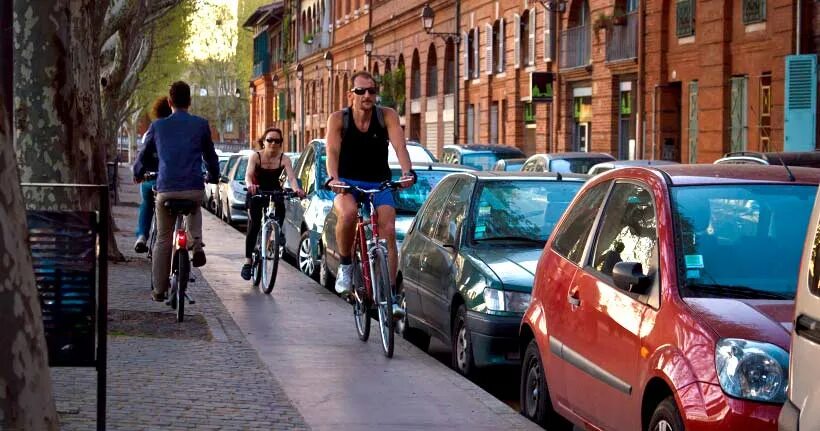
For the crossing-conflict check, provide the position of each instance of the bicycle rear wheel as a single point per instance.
(270, 258)
(152, 238)
(384, 299)
(256, 261)
(361, 312)
(182, 275)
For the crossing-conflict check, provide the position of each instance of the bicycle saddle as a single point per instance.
(180, 206)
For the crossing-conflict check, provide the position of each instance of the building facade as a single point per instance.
(682, 80)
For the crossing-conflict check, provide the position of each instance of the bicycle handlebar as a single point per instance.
(274, 193)
(148, 176)
(386, 185)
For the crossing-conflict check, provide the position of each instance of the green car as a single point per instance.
(468, 261)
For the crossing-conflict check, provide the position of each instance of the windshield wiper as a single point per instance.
(512, 238)
(743, 292)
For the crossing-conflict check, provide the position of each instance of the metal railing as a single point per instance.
(575, 47)
(622, 39)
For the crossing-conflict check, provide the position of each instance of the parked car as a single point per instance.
(662, 299)
(509, 164)
(417, 152)
(294, 157)
(408, 202)
(615, 164)
(802, 408)
(479, 156)
(467, 262)
(211, 199)
(232, 190)
(809, 159)
(576, 162)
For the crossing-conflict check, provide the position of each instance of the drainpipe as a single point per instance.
(639, 91)
(798, 26)
(458, 81)
(654, 120)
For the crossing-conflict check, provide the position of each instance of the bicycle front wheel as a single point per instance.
(270, 256)
(361, 312)
(182, 275)
(384, 299)
(256, 261)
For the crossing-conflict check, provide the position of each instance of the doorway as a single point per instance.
(668, 112)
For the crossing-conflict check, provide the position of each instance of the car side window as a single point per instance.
(540, 165)
(428, 220)
(628, 230)
(453, 213)
(528, 167)
(571, 236)
(814, 262)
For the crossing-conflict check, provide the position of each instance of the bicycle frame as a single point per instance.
(365, 245)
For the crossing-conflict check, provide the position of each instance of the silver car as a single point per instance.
(232, 190)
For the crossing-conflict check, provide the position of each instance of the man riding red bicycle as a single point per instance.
(357, 140)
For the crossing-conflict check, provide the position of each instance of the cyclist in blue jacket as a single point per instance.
(182, 141)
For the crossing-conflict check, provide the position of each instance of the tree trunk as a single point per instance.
(26, 400)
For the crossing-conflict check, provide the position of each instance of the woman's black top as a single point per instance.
(268, 179)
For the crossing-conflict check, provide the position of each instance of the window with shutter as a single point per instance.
(801, 102)
(693, 122)
(517, 40)
(476, 70)
(502, 56)
(466, 38)
(488, 49)
(549, 20)
(737, 109)
(531, 54)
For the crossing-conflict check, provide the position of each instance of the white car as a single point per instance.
(802, 408)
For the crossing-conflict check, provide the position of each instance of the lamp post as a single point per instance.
(368, 50)
(552, 7)
(300, 74)
(427, 18)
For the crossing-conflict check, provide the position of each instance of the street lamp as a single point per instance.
(427, 18)
(554, 5)
(368, 50)
(237, 93)
(203, 92)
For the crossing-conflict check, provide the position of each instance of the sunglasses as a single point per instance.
(274, 140)
(361, 90)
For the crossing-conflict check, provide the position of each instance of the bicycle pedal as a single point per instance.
(191, 302)
(192, 280)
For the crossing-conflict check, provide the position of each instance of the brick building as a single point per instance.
(682, 80)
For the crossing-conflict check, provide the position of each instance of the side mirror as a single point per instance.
(629, 276)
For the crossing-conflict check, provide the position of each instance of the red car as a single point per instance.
(663, 300)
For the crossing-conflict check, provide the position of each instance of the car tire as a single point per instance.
(666, 417)
(304, 260)
(462, 352)
(534, 397)
(326, 278)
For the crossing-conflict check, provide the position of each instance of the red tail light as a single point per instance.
(182, 239)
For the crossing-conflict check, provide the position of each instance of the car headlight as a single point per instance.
(503, 300)
(752, 370)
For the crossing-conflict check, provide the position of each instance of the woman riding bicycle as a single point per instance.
(264, 169)
(160, 109)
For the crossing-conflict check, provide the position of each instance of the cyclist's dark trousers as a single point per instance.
(255, 209)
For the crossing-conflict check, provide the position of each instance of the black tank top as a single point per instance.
(268, 179)
(363, 156)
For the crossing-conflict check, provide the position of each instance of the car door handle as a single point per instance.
(573, 297)
(808, 328)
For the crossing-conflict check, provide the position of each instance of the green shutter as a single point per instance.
(283, 106)
(693, 122)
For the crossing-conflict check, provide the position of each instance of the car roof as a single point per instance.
(510, 175)
(495, 148)
(791, 158)
(625, 163)
(573, 155)
(418, 166)
(725, 174)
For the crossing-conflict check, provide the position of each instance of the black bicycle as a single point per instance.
(180, 259)
(152, 237)
(268, 250)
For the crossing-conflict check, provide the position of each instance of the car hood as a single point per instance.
(766, 320)
(514, 266)
(403, 223)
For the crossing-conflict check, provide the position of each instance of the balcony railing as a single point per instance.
(575, 47)
(622, 38)
(261, 67)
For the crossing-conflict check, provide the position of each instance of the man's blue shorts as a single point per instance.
(382, 198)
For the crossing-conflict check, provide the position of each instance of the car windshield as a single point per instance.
(575, 165)
(741, 241)
(418, 154)
(321, 172)
(513, 166)
(409, 200)
(240, 170)
(485, 160)
(522, 210)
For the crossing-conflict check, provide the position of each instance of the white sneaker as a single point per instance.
(344, 279)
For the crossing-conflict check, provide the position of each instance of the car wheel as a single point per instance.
(462, 346)
(666, 417)
(304, 259)
(326, 278)
(534, 396)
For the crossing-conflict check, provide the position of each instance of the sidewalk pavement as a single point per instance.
(201, 374)
(288, 360)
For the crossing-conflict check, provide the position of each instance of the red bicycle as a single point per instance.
(371, 277)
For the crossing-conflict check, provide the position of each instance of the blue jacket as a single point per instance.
(181, 141)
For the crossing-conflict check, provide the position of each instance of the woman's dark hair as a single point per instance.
(268, 130)
(180, 94)
(160, 108)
